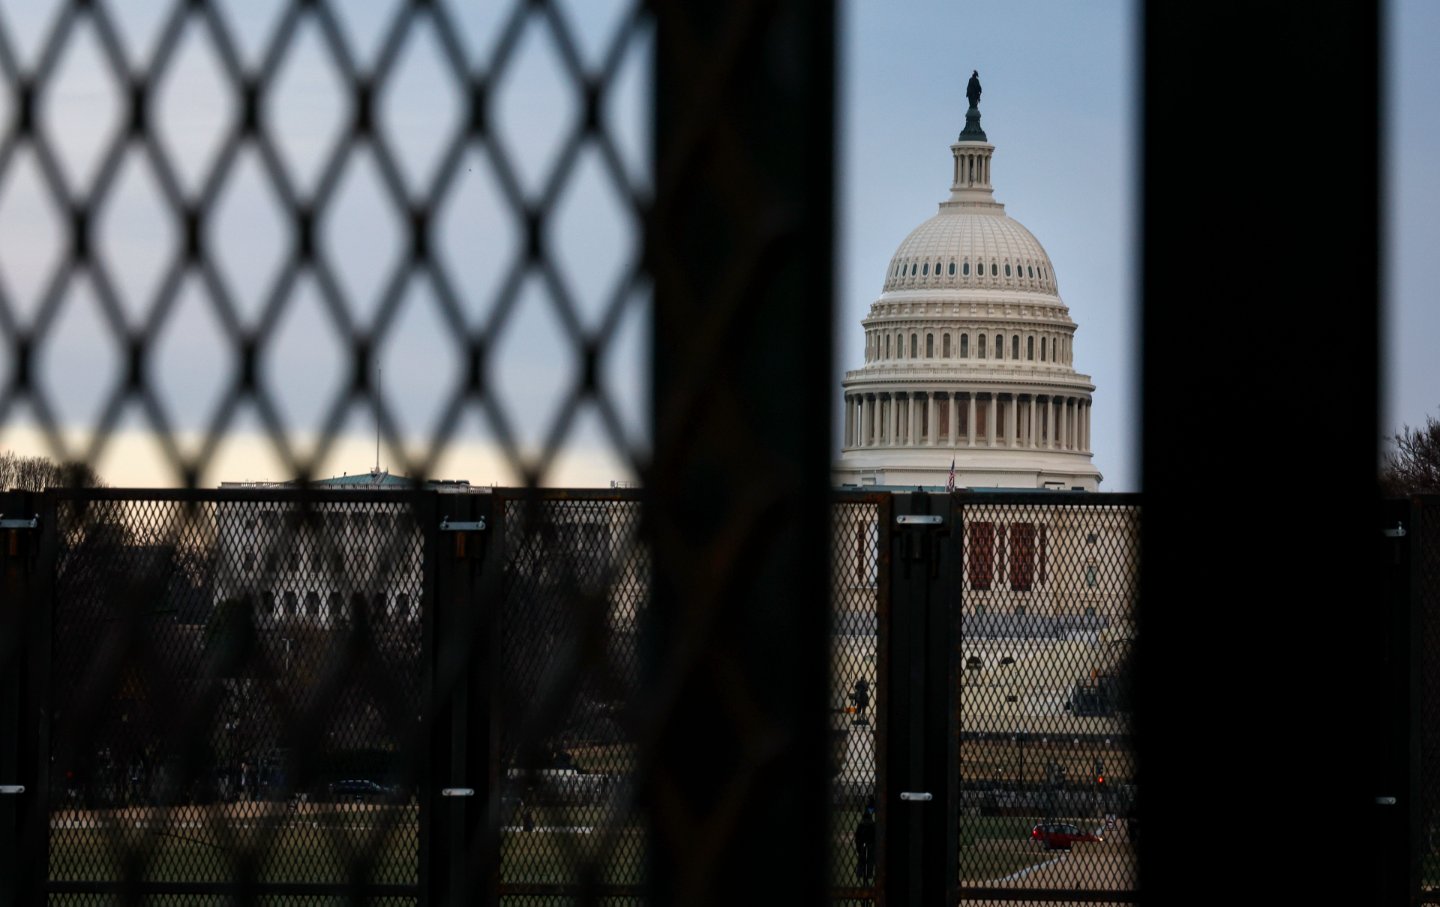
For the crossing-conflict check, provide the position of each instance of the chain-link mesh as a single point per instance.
(858, 812)
(1427, 599)
(223, 221)
(235, 693)
(1047, 768)
(576, 590)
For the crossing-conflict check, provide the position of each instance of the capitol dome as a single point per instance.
(968, 354)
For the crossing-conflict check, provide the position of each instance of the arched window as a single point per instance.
(914, 346)
(913, 267)
(1007, 269)
(952, 269)
(899, 346)
(964, 346)
(929, 346)
(1030, 270)
(1054, 350)
(965, 269)
(945, 346)
(925, 271)
(1015, 347)
(999, 347)
(1030, 348)
(1042, 349)
(980, 345)
(994, 269)
(887, 346)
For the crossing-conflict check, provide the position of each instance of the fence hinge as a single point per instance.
(1397, 533)
(461, 525)
(22, 523)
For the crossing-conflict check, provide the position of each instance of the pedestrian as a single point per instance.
(865, 844)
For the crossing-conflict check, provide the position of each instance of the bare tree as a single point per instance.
(19, 473)
(1412, 461)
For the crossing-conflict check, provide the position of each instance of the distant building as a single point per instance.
(969, 355)
(315, 564)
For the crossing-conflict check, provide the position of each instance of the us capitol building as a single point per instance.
(969, 353)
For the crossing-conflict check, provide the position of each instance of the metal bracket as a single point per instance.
(916, 796)
(461, 525)
(12, 789)
(1385, 801)
(1397, 533)
(920, 519)
(31, 523)
(457, 792)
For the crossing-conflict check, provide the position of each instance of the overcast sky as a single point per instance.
(1060, 105)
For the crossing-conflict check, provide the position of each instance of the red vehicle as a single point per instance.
(1059, 835)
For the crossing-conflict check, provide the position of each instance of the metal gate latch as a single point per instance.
(1397, 533)
(461, 525)
(22, 523)
(12, 789)
(920, 519)
(457, 792)
(916, 796)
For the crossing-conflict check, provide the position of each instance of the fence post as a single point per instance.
(22, 646)
(922, 691)
(463, 790)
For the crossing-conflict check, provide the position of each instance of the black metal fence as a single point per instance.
(440, 696)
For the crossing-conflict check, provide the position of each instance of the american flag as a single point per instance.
(950, 482)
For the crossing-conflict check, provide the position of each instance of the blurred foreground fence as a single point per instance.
(446, 695)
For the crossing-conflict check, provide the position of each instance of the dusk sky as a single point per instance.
(1060, 104)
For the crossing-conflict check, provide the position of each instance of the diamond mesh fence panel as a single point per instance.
(221, 222)
(1047, 768)
(858, 813)
(1427, 600)
(576, 591)
(235, 694)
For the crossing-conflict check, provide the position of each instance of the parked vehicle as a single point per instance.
(1060, 835)
(556, 786)
(363, 790)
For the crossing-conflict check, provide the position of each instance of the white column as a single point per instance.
(970, 423)
(1013, 419)
(932, 437)
(1088, 404)
(953, 405)
(1031, 440)
(992, 419)
(1051, 419)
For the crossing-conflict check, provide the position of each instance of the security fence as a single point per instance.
(431, 695)
(1048, 601)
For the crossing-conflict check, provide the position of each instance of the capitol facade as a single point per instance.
(969, 354)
